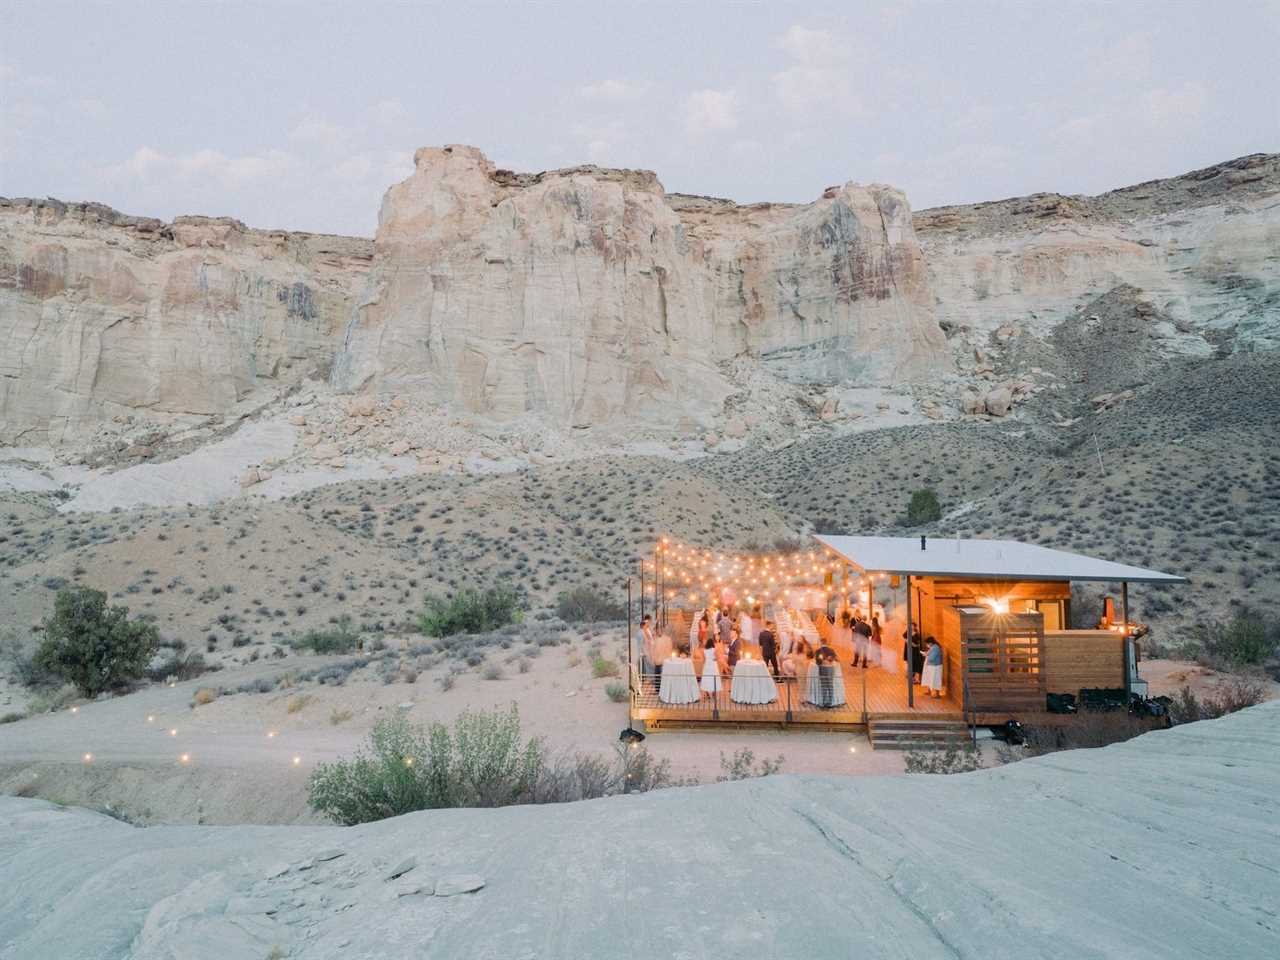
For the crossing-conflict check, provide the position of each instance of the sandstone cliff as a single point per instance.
(104, 315)
(1202, 249)
(585, 296)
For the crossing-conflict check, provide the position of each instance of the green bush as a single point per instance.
(470, 611)
(585, 605)
(953, 758)
(1244, 640)
(603, 667)
(743, 766)
(338, 638)
(923, 508)
(94, 646)
(616, 691)
(482, 762)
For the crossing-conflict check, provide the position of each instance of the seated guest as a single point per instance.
(659, 654)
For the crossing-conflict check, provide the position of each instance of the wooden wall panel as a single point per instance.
(1075, 659)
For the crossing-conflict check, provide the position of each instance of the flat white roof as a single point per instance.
(1003, 559)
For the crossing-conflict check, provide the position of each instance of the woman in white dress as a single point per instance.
(711, 682)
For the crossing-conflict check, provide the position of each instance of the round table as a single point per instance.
(814, 692)
(679, 685)
(752, 683)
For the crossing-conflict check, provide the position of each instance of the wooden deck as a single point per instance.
(886, 698)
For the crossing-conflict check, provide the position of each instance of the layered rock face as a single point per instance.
(103, 315)
(1203, 249)
(585, 296)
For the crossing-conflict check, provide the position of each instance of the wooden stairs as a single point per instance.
(916, 733)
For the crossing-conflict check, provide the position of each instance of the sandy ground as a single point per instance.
(241, 748)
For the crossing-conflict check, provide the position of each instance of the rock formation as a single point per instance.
(104, 315)
(585, 295)
(1200, 248)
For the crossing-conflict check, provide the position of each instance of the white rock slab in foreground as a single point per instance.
(1162, 847)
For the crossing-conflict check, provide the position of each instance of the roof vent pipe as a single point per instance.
(922, 541)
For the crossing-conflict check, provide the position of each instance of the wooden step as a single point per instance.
(916, 733)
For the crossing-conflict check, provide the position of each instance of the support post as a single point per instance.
(630, 674)
(642, 589)
(910, 653)
(1124, 635)
(871, 612)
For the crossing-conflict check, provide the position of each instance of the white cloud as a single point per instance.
(319, 132)
(615, 91)
(92, 107)
(820, 76)
(382, 168)
(710, 110)
(389, 112)
(147, 163)
(602, 139)
(1177, 105)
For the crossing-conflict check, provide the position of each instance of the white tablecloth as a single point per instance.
(679, 685)
(752, 683)
(813, 692)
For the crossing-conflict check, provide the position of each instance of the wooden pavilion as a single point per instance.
(1000, 609)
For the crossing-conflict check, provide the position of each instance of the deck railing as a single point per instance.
(795, 696)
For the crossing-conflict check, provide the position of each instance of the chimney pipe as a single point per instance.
(922, 541)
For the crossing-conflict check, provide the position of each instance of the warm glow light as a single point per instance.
(408, 761)
(173, 732)
(853, 749)
(75, 709)
(270, 734)
(88, 758)
(297, 761)
(185, 758)
(151, 718)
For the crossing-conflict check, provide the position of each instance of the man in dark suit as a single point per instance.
(735, 647)
(769, 648)
(825, 657)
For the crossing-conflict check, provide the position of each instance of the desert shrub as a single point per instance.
(1086, 730)
(492, 672)
(482, 762)
(1236, 693)
(24, 667)
(470, 611)
(615, 691)
(11, 717)
(743, 766)
(337, 716)
(586, 605)
(923, 508)
(94, 646)
(603, 667)
(179, 666)
(955, 757)
(1244, 640)
(297, 702)
(205, 695)
(50, 700)
(339, 637)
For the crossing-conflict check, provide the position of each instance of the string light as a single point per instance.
(151, 718)
(185, 758)
(75, 709)
(88, 758)
(270, 734)
(297, 761)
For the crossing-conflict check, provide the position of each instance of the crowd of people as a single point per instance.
(720, 637)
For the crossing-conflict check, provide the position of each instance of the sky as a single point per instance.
(299, 115)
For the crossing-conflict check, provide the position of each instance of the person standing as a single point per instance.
(931, 679)
(734, 648)
(710, 681)
(725, 626)
(769, 648)
(646, 663)
(861, 641)
(825, 658)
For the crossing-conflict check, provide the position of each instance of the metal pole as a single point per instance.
(642, 589)
(629, 644)
(871, 609)
(910, 652)
(1124, 634)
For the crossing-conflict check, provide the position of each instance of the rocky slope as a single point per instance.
(1202, 250)
(1163, 846)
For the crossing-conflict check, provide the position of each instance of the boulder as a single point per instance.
(998, 401)
(972, 403)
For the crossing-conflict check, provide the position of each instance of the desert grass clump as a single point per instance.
(1236, 693)
(204, 695)
(584, 604)
(492, 672)
(744, 766)
(955, 757)
(615, 691)
(470, 611)
(297, 702)
(337, 716)
(604, 667)
(340, 637)
(94, 646)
